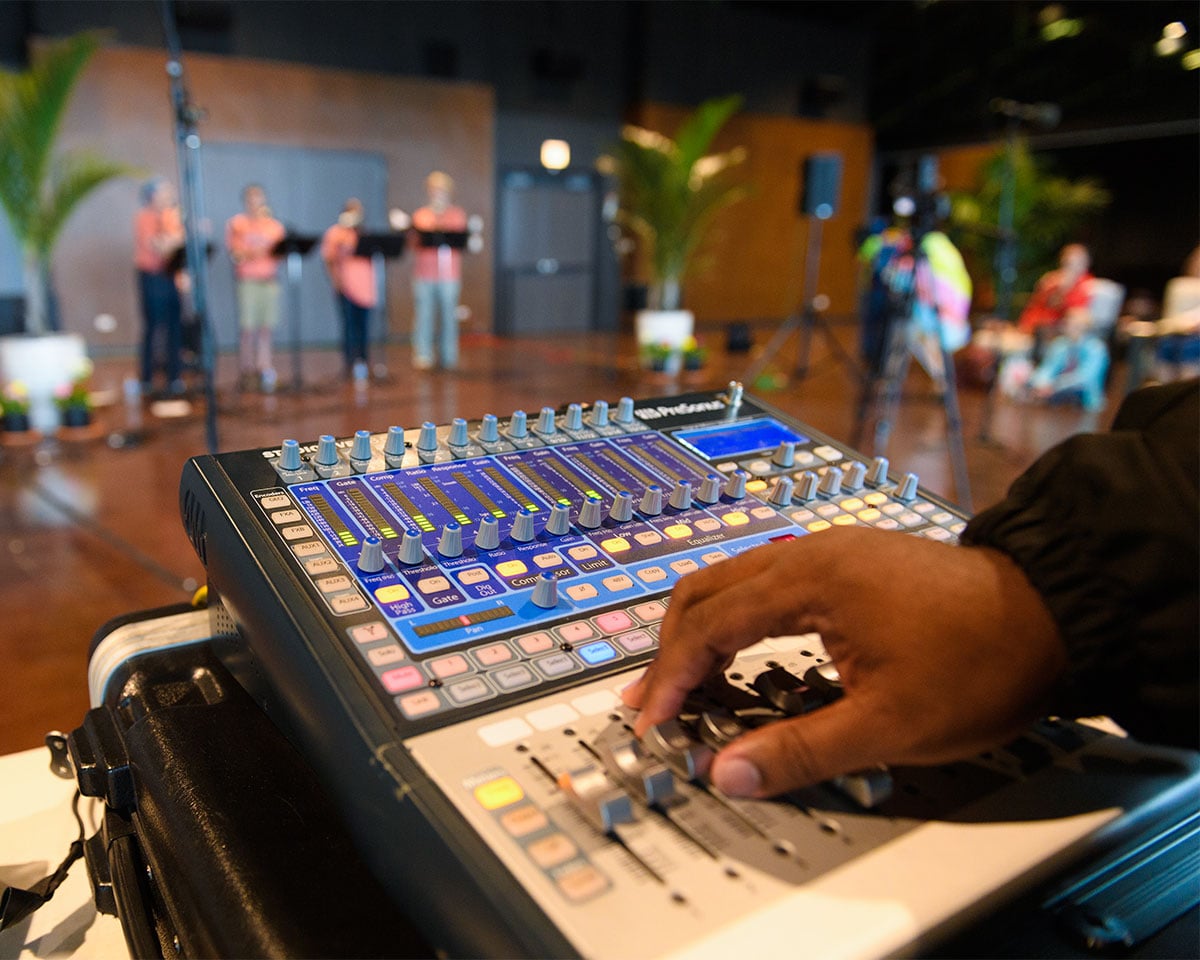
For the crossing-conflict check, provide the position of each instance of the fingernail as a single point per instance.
(737, 777)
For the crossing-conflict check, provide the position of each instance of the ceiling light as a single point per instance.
(556, 154)
(1175, 31)
(1191, 60)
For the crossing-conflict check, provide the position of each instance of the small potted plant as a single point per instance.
(694, 355)
(661, 358)
(74, 400)
(14, 403)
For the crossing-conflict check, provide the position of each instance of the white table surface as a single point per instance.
(36, 828)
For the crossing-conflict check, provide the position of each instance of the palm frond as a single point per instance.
(75, 176)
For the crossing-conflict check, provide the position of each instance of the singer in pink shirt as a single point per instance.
(250, 237)
(353, 280)
(437, 275)
(157, 238)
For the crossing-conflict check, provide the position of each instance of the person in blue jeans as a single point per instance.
(437, 276)
(1074, 365)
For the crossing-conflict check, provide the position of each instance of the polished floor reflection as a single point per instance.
(90, 529)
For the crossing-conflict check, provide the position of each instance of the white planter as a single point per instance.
(672, 328)
(44, 364)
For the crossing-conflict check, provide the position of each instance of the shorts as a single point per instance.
(258, 304)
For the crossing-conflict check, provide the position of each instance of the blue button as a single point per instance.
(598, 652)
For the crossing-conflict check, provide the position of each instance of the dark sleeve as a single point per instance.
(1107, 529)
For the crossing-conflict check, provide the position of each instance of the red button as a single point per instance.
(401, 679)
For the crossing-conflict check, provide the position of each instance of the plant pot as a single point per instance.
(672, 328)
(76, 416)
(16, 422)
(46, 365)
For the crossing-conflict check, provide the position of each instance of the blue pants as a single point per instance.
(431, 297)
(162, 315)
(354, 330)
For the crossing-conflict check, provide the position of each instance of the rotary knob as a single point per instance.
(522, 528)
(489, 429)
(785, 454)
(781, 492)
(393, 446)
(807, 486)
(458, 433)
(488, 537)
(589, 513)
(517, 427)
(877, 475)
(546, 422)
(327, 455)
(831, 482)
(289, 455)
(651, 505)
(427, 439)
(574, 417)
(906, 490)
(624, 411)
(545, 591)
(622, 507)
(371, 560)
(559, 521)
(360, 449)
(450, 543)
(735, 486)
(410, 548)
(710, 489)
(599, 415)
(855, 476)
(681, 496)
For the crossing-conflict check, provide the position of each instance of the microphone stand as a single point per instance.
(191, 196)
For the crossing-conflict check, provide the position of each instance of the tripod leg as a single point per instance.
(958, 455)
(895, 369)
(786, 329)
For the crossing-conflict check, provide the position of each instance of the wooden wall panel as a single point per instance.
(754, 258)
(122, 110)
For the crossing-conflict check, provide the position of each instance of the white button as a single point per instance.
(275, 501)
(281, 517)
(506, 731)
(301, 532)
(759, 468)
(310, 549)
(545, 561)
(593, 703)
(828, 453)
(549, 718)
(348, 603)
(582, 591)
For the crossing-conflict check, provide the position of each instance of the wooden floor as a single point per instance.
(89, 532)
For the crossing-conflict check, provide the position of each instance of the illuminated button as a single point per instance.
(615, 621)
(596, 653)
(348, 603)
(504, 731)
(523, 821)
(762, 513)
(584, 551)
(708, 524)
(650, 612)
(419, 704)
(581, 883)
(547, 561)
(647, 537)
(615, 545)
(870, 515)
(312, 548)
(802, 515)
(511, 568)
(513, 678)
(727, 466)
(392, 593)
(548, 718)
(428, 585)
(818, 525)
(958, 527)
(557, 665)
(286, 516)
(636, 641)
(451, 666)
(828, 453)
(369, 632)
(401, 679)
(735, 518)
(468, 691)
(617, 583)
(876, 498)
(685, 566)
(576, 632)
(582, 591)
(300, 532)
(591, 704)
(937, 533)
(942, 517)
(712, 557)
(887, 523)
(827, 510)
(389, 653)
(551, 851)
(492, 654)
(535, 643)
(678, 531)
(275, 501)
(473, 576)
(844, 520)
(501, 792)
(756, 486)
(852, 504)
(320, 565)
(760, 468)
(652, 574)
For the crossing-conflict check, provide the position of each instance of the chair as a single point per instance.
(1181, 319)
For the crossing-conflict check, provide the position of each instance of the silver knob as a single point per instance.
(517, 428)
(489, 429)
(522, 528)
(545, 591)
(394, 445)
(371, 560)
(361, 448)
(327, 455)
(735, 486)
(589, 513)
(574, 417)
(806, 487)
(545, 422)
(427, 439)
(710, 489)
(410, 548)
(785, 454)
(855, 476)
(289, 455)
(688, 757)
(559, 521)
(877, 475)
(624, 410)
(599, 414)
(622, 507)
(488, 537)
(458, 432)
(681, 496)
(907, 488)
(781, 491)
(733, 394)
(831, 482)
(651, 505)
(601, 804)
(450, 544)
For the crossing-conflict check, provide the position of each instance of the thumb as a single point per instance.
(795, 753)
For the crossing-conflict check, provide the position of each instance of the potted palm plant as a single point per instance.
(669, 190)
(39, 190)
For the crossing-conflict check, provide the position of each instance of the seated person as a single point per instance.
(1057, 292)
(1074, 366)
(1178, 351)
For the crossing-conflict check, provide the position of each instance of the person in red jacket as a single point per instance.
(1057, 292)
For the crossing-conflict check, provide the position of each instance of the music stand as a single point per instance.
(294, 247)
(380, 247)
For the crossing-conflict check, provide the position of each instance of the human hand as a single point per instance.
(943, 651)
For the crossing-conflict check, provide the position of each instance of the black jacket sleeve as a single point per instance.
(1107, 529)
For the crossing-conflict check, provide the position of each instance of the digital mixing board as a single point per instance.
(442, 617)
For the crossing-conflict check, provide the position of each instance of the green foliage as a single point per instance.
(670, 190)
(1048, 211)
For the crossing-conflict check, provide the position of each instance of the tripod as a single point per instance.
(882, 386)
(804, 320)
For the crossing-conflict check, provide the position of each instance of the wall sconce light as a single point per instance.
(556, 154)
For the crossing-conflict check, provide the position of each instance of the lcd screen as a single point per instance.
(727, 441)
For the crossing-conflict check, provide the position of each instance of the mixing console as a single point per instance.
(441, 619)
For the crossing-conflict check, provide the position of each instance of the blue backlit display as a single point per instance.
(738, 439)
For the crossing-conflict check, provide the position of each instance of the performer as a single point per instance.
(437, 276)
(353, 280)
(250, 237)
(158, 236)
(1058, 291)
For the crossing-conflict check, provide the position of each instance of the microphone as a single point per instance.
(1041, 114)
